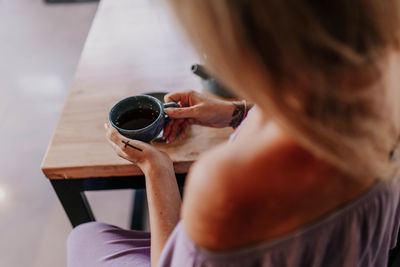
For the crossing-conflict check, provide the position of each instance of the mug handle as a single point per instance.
(170, 105)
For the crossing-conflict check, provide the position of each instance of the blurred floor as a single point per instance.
(39, 49)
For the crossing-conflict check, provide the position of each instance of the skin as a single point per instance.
(163, 196)
(275, 184)
(197, 109)
(263, 176)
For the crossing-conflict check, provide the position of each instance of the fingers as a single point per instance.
(167, 134)
(189, 104)
(137, 152)
(174, 127)
(182, 113)
(183, 97)
(167, 128)
(117, 140)
(113, 144)
(117, 149)
(184, 127)
(113, 135)
(174, 130)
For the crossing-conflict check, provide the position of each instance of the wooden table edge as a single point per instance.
(128, 170)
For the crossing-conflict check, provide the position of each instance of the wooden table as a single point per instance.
(133, 47)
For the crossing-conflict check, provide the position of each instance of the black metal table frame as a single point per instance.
(71, 193)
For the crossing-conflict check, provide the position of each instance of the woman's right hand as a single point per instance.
(196, 108)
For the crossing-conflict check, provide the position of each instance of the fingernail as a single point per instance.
(105, 125)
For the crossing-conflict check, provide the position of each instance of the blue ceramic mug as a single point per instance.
(140, 117)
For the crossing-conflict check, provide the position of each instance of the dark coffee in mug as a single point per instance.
(135, 119)
(140, 117)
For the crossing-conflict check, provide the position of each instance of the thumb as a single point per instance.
(181, 113)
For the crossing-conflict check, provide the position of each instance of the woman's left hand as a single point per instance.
(144, 155)
(162, 189)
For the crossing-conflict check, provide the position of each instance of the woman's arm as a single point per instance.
(164, 204)
(201, 109)
(163, 196)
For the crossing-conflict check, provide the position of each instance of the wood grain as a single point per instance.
(133, 47)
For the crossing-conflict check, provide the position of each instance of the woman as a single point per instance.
(309, 178)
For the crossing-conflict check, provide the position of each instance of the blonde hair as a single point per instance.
(322, 68)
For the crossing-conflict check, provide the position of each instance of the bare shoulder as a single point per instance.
(235, 198)
(230, 189)
(206, 205)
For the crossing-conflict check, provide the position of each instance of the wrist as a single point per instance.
(156, 167)
(240, 110)
(224, 110)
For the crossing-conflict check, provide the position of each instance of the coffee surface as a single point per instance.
(136, 119)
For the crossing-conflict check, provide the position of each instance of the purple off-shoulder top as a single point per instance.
(358, 234)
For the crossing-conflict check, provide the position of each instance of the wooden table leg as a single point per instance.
(73, 199)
